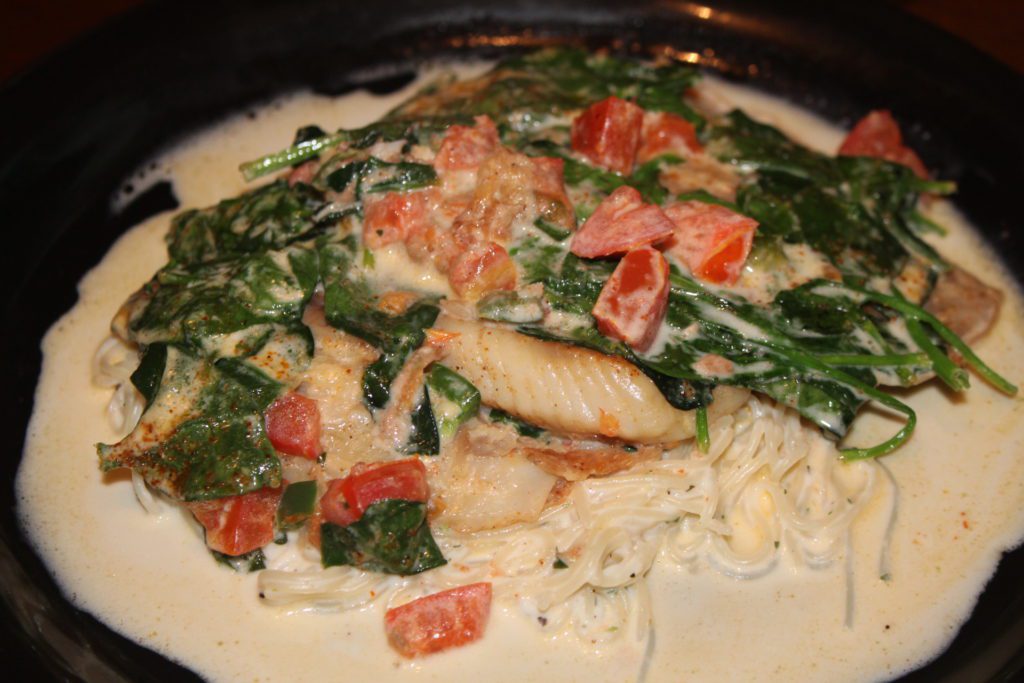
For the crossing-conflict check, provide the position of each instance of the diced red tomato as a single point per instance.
(303, 173)
(621, 222)
(465, 147)
(665, 133)
(335, 508)
(428, 238)
(484, 267)
(608, 134)
(293, 425)
(504, 185)
(239, 524)
(313, 527)
(393, 217)
(397, 302)
(711, 240)
(437, 622)
(632, 303)
(878, 135)
(713, 365)
(347, 499)
(548, 176)
(549, 188)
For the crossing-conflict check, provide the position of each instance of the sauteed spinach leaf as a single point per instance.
(392, 536)
(202, 435)
(859, 211)
(269, 217)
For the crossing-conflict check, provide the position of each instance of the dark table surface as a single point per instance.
(31, 29)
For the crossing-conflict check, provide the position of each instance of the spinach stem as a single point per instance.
(903, 372)
(939, 187)
(887, 446)
(703, 434)
(867, 360)
(286, 157)
(797, 359)
(925, 224)
(955, 377)
(912, 311)
(979, 366)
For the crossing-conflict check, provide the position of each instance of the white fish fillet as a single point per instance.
(567, 389)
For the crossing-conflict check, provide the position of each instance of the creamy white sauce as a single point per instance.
(961, 501)
(392, 266)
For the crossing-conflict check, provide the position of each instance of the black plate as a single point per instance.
(76, 126)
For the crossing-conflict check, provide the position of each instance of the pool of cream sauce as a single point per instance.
(960, 502)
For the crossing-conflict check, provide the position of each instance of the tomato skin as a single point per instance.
(335, 508)
(293, 425)
(719, 266)
(608, 134)
(464, 147)
(313, 527)
(665, 133)
(303, 173)
(548, 175)
(713, 365)
(711, 240)
(622, 221)
(346, 499)
(878, 135)
(549, 190)
(484, 267)
(393, 217)
(632, 303)
(440, 621)
(236, 525)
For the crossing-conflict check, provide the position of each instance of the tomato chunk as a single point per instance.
(548, 177)
(313, 527)
(608, 134)
(465, 147)
(393, 217)
(632, 303)
(335, 508)
(303, 173)
(439, 621)
(346, 499)
(711, 240)
(293, 425)
(878, 135)
(621, 222)
(549, 189)
(238, 524)
(483, 268)
(665, 133)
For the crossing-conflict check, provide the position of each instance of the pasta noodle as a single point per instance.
(113, 364)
